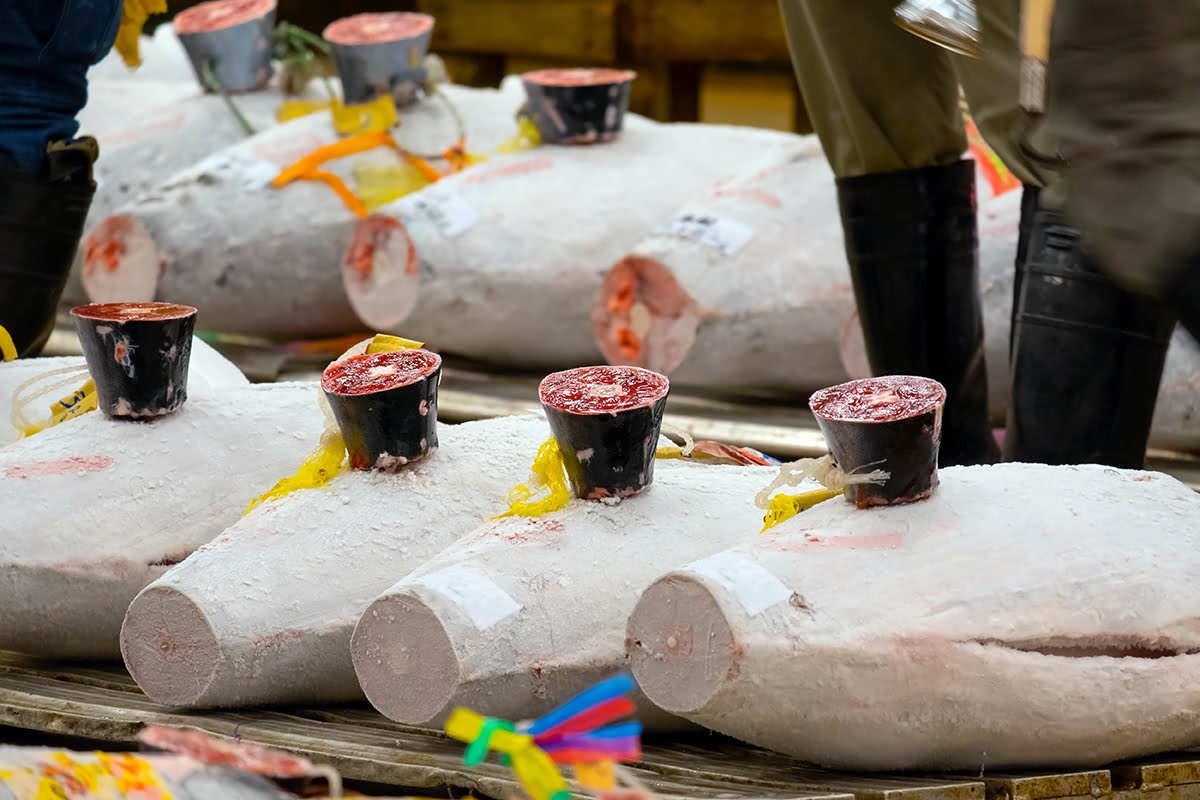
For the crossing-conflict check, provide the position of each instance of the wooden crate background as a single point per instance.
(690, 55)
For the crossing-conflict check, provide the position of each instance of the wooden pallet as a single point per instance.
(103, 704)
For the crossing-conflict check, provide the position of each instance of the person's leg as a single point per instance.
(885, 105)
(1122, 111)
(1085, 355)
(46, 47)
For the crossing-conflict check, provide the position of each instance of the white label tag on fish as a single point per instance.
(475, 593)
(249, 173)
(751, 584)
(725, 235)
(449, 213)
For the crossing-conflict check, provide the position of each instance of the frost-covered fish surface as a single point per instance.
(1025, 615)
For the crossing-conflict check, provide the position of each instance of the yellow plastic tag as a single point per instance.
(785, 506)
(377, 115)
(321, 466)
(384, 343)
(527, 138)
(295, 109)
(550, 477)
(8, 349)
(598, 776)
(77, 404)
(377, 185)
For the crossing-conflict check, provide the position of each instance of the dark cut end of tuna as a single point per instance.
(606, 421)
(235, 36)
(138, 355)
(577, 106)
(891, 423)
(378, 54)
(386, 406)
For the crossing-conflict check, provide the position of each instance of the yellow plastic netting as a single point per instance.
(546, 490)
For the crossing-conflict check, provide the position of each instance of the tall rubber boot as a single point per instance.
(1087, 358)
(912, 244)
(41, 222)
(1029, 208)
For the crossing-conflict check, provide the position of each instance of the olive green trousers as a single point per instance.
(1117, 151)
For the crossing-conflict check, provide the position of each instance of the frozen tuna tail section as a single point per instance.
(606, 422)
(386, 406)
(577, 106)
(379, 54)
(229, 43)
(138, 355)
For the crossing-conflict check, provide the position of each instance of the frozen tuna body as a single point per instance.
(95, 509)
(1024, 615)
(260, 260)
(258, 615)
(540, 227)
(523, 613)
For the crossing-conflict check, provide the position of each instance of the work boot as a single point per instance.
(913, 249)
(1087, 357)
(1029, 207)
(41, 222)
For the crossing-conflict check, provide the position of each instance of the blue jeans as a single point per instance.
(46, 48)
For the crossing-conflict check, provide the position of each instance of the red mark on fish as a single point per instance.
(59, 466)
(754, 195)
(289, 149)
(164, 122)
(523, 168)
(526, 530)
(795, 542)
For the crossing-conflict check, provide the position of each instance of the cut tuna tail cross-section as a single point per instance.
(536, 229)
(107, 506)
(891, 424)
(379, 54)
(259, 615)
(577, 106)
(1022, 616)
(606, 422)
(138, 354)
(386, 406)
(260, 260)
(523, 613)
(228, 42)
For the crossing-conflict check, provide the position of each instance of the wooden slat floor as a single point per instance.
(103, 704)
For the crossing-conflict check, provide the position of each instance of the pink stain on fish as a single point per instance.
(524, 168)
(755, 195)
(793, 542)
(59, 466)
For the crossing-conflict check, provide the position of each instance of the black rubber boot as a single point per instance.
(1087, 357)
(41, 222)
(913, 248)
(1029, 208)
